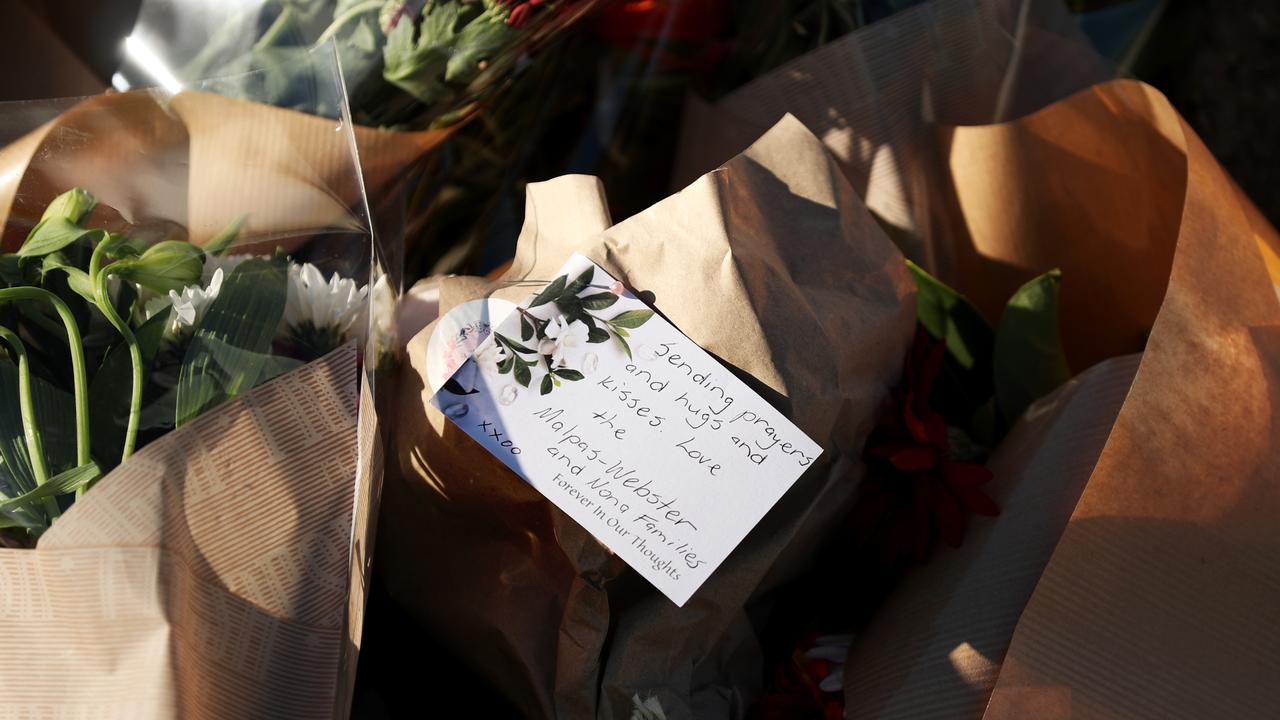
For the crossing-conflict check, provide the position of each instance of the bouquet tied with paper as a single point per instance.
(712, 364)
(193, 314)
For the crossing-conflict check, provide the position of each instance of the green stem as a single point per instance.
(277, 29)
(35, 444)
(76, 346)
(345, 18)
(98, 275)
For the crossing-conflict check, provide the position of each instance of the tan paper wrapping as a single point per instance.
(1159, 599)
(190, 164)
(207, 577)
(771, 263)
(934, 648)
(873, 95)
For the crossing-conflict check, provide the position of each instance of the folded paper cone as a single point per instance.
(773, 264)
(210, 574)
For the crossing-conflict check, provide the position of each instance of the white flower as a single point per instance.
(337, 306)
(491, 356)
(189, 307)
(650, 709)
(835, 650)
(564, 337)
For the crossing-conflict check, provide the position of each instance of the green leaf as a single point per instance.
(77, 279)
(479, 41)
(522, 374)
(1029, 361)
(165, 266)
(597, 335)
(621, 338)
(568, 374)
(112, 385)
(546, 384)
(526, 328)
(550, 292)
(512, 344)
(599, 301)
(578, 285)
(948, 316)
(229, 349)
(11, 270)
(51, 235)
(418, 68)
(73, 205)
(631, 318)
(505, 366)
(61, 484)
(221, 242)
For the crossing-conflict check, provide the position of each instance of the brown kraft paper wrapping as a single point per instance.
(1155, 598)
(771, 263)
(1159, 598)
(207, 577)
(205, 161)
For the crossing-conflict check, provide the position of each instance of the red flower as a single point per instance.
(915, 492)
(678, 33)
(795, 694)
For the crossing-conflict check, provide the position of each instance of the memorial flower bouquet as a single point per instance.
(195, 319)
(178, 327)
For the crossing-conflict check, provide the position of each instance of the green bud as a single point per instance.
(73, 205)
(165, 266)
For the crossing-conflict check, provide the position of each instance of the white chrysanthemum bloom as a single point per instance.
(323, 315)
(189, 306)
(834, 649)
(564, 337)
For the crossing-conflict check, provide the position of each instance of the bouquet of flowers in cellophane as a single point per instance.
(192, 315)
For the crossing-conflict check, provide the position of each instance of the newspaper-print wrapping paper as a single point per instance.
(773, 265)
(208, 577)
(1156, 585)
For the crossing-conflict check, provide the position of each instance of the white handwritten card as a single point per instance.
(628, 426)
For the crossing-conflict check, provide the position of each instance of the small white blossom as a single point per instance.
(835, 650)
(491, 356)
(648, 709)
(189, 306)
(564, 337)
(337, 306)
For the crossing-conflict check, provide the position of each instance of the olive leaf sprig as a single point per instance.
(576, 302)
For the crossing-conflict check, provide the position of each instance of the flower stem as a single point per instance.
(76, 346)
(277, 29)
(98, 276)
(35, 444)
(345, 18)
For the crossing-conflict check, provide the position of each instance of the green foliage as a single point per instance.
(989, 378)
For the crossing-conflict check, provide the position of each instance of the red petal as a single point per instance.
(977, 502)
(951, 520)
(965, 475)
(936, 431)
(914, 457)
